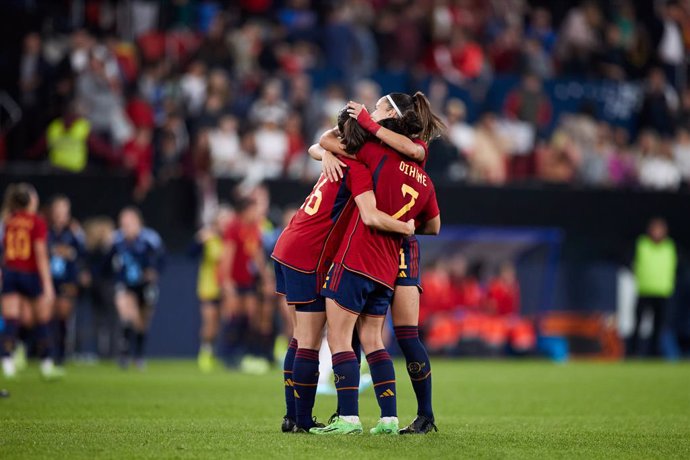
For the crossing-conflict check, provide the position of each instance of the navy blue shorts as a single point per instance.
(356, 293)
(26, 284)
(146, 294)
(300, 289)
(247, 289)
(408, 271)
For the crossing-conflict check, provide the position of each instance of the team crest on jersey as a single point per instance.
(338, 378)
(415, 367)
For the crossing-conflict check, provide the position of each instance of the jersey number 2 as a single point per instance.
(313, 202)
(414, 194)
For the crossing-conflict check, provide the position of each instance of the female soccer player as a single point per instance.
(26, 277)
(241, 268)
(405, 307)
(66, 248)
(303, 254)
(210, 243)
(135, 259)
(354, 274)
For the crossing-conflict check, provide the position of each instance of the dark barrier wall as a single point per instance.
(599, 228)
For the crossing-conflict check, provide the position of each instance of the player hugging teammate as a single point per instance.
(358, 285)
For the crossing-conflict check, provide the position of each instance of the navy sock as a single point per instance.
(288, 365)
(418, 367)
(60, 338)
(127, 335)
(346, 375)
(139, 344)
(9, 336)
(234, 339)
(24, 334)
(44, 342)
(305, 377)
(383, 376)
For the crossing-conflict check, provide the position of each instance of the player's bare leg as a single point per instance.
(341, 324)
(126, 305)
(210, 319)
(11, 304)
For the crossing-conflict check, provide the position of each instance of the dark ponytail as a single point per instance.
(417, 115)
(432, 125)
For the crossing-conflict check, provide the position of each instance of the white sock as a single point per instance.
(206, 348)
(350, 418)
(389, 420)
(47, 365)
(8, 367)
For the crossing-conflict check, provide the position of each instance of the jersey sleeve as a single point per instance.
(358, 178)
(430, 209)
(40, 230)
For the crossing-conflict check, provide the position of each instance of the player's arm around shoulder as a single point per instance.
(374, 218)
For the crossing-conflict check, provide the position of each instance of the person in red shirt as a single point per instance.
(240, 272)
(359, 284)
(26, 277)
(503, 296)
(303, 254)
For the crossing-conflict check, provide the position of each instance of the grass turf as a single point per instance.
(483, 410)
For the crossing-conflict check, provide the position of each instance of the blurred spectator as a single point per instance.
(505, 54)
(193, 87)
(594, 169)
(98, 92)
(488, 159)
(138, 158)
(535, 60)
(297, 148)
(272, 146)
(658, 105)
(540, 29)
(465, 288)
(460, 133)
(559, 160)
(655, 273)
(613, 59)
(71, 143)
(579, 37)
(270, 106)
(657, 169)
(681, 152)
(227, 157)
(503, 293)
(529, 103)
(671, 47)
(622, 167)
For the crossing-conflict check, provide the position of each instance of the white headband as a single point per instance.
(397, 110)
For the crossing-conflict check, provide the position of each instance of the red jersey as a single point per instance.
(312, 237)
(404, 191)
(247, 239)
(505, 297)
(22, 230)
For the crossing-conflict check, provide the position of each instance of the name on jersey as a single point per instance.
(411, 171)
(22, 222)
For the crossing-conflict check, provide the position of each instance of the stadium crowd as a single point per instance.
(207, 90)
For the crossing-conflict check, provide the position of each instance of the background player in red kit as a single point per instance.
(359, 284)
(240, 272)
(304, 252)
(26, 277)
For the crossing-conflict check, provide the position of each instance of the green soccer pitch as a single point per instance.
(504, 409)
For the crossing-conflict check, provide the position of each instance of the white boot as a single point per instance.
(9, 370)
